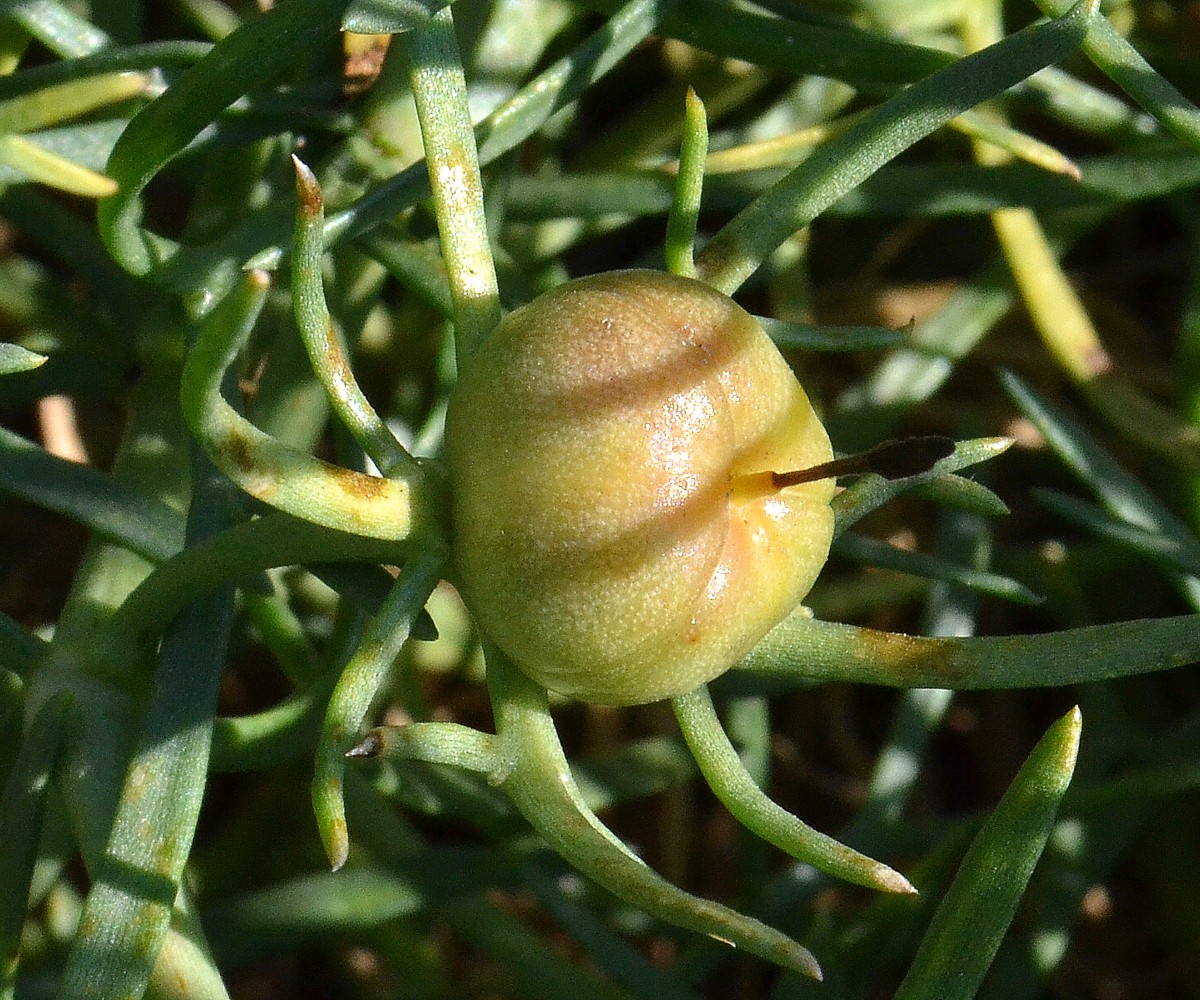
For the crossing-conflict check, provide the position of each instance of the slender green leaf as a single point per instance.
(128, 911)
(389, 17)
(845, 161)
(803, 336)
(356, 689)
(1120, 493)
(1174, 551)
(876, 553)
(871, 491)
(973, 917)
(106, 505)
(56, 26)
(1125, 66)
(802, 650)
(733, 785)
(538, 779)
(14, 358)
(57, 103)
(22, 806)
(284, 916)
(253, 56)
(29, 161)
(113, 59)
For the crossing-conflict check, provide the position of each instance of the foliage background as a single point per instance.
(446, 893)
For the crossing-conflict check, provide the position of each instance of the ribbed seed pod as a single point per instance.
(611, 533)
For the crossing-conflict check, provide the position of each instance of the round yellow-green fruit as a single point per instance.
(593, 443)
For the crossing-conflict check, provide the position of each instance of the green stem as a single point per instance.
(731, 782)
(440, 89)
(235, 554)
(689, 184)
(359, 683)
(323, 344)
(535, 774)
(434, 743)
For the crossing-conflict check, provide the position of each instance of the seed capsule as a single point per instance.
(606, 446)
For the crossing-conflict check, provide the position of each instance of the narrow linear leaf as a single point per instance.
(871, 492)
(876, 553)
(108, 506)
(267, 468)
(1116, 57)
(539, 782)
(41, 165)
(14, 358)
(439, 89)
(57, 103)
(846, 160)
(864, 58)
(1151, 544)
(803, 650)
(113, 59)
(321, 339)
(86, 145)
(21, 809)
(1120, 492)
(972, 919)
(804, 336)
(61, 30)
(680, 244)
(389, 17)
(281, 917)
(897, 190)
(355, 691)
(127, 914)
(733, 785)
(961, 493)
(231, 556)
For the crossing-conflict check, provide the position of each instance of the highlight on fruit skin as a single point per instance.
(600, 446)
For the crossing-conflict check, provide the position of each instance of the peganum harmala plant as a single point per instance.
(634, 493)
